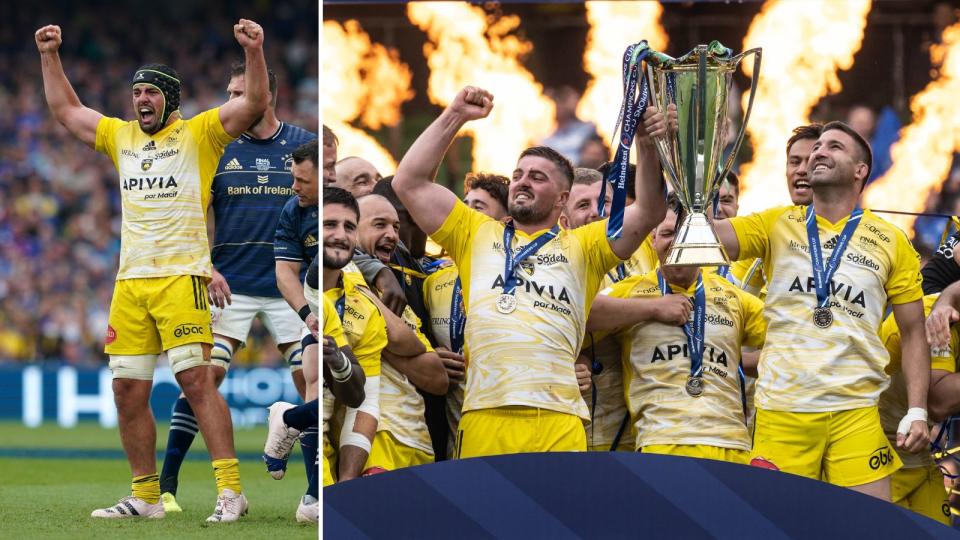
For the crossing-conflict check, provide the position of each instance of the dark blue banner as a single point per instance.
(608, 495)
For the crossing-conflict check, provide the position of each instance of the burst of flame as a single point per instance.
(613, 26)
(464, 49)
(922, 156)
(804, 44)
(361, 80)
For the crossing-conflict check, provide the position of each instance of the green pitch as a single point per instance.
(46, 493)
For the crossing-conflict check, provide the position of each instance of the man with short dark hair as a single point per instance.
(799, 147)
(527, 285)
(833, 268)
(486, 193)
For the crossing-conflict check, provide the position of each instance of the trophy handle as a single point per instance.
(658, 142)
(757, 52)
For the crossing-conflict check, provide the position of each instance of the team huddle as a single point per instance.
(818, 352)
(255, 179)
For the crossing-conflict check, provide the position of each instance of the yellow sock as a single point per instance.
(227, 473)
(146, 487)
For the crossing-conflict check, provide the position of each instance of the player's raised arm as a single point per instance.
(428, 203)
(237, 115)
(649, 209)
(79, 120)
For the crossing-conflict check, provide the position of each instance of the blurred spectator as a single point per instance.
(59, 203)
(593, 153)
(571, 132)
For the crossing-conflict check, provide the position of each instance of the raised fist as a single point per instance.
(248, 33)
(472, 103)
(48, 38)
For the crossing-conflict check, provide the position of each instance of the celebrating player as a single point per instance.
(527, 285)
(833, 268)
(166, 166)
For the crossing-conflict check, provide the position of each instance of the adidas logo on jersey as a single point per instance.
(233, 165)
(150, 146)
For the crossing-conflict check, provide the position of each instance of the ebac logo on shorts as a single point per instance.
(188, 330)
(881, 456)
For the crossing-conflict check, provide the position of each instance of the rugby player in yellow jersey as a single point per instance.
(166, 166)
(343, 377)
(609, 427)
(833, 268)
(526, 311)
(682, 386)
(402, 439)
(367, 325)
(919, 484)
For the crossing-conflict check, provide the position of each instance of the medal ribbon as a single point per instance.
(695, 331)
(341, 306)
(631, 112)
(510, 266)
(822, 275)
(458, 319)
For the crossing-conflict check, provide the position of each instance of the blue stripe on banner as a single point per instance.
(422, 512)
(741, 518)
(511, 514)
(345, 530)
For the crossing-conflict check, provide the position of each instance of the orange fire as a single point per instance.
(361, 80)
(464, 48)
(804, 44)
(922, 156)
(613, 26)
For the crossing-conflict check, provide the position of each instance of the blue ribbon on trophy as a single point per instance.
(631, 113)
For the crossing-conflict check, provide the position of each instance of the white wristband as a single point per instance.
(913, 414)
(355, 439)
(341, 375)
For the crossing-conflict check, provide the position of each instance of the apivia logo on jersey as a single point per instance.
(66, 395)
(157, 187)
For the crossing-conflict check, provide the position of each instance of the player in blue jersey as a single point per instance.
(295, 247)
(250, 187)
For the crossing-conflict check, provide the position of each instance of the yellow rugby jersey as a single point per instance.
(365, 330)
(610, 406)
(401, 407)
(437, 297)
(893, 400)
(165, 181)
(748, 275)
(656, 365)
(331, 323)
(527, 357)
(804, 368)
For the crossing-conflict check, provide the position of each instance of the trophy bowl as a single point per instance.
(697, 84)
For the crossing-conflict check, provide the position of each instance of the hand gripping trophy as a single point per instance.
(697, 84)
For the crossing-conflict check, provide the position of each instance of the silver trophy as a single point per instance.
(692, 155)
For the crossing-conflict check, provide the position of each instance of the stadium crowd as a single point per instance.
(59, 204)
